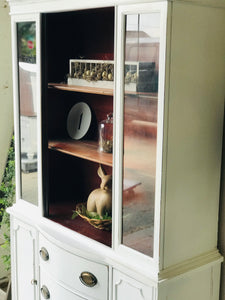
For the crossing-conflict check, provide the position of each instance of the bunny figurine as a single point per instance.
(100, 200)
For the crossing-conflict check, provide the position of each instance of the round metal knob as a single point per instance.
(88, 279)
(45, 292)
(34, 282)
(44, 254)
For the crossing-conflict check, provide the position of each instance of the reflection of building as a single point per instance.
(28, 116)
(142, 48)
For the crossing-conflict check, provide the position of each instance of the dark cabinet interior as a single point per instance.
(70, 166)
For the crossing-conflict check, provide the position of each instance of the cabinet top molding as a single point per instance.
(32, 6)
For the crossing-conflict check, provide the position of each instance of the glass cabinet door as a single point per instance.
(27, 74)
(141, 68)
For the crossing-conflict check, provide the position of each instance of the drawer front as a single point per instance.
(76, 273)
(51, 290)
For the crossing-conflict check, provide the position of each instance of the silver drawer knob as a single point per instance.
(45, 292)
(34, 282)
(44, 254)
(88, 279)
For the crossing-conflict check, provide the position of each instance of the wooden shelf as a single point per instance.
(84, 149)
(81, 89)
(99, 91)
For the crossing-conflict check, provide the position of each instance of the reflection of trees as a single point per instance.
(27, 32)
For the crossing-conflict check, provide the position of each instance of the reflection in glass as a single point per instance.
(140, 130)
(26, 33)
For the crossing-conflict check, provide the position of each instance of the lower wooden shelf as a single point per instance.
(83, 149)
(62, 215)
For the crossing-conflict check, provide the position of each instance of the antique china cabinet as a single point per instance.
(136, 89)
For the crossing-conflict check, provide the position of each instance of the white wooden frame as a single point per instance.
(44, 6)
(121, 260)
(143, 260)
(16, 19)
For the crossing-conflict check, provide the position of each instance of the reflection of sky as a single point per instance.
(145, 23)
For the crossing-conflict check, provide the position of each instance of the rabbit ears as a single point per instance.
(101, 172)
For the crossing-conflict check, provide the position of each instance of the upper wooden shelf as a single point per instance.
(83, 149)
(81, 89)
(99, 91)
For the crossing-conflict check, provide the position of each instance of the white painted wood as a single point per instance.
(125, 287)
(67, 268)
(199, 285)
(16, 108)
(215, 278)
(30, 6)
(57, 291)
(221, 233)
(14, 21)
(195, 123)
(209, 3)
(24, 267)
(118, 124)
(186, 264)
(39, 115)
(162, 203)
(115, 190)
(75, 243)
(205, 260)
(122, 12)
(59, 6)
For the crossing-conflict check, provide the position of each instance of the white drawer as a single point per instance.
(67, 268)
(49, 289)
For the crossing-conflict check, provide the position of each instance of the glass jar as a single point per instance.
(106, 134)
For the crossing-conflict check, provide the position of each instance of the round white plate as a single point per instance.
(79, 120)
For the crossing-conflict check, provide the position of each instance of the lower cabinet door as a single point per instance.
(24, 262)
(125, 287)
(49, 289)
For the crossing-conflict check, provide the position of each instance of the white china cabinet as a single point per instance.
(146, 79)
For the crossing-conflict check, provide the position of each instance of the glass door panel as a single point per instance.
(140, 130)
(27, 72)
